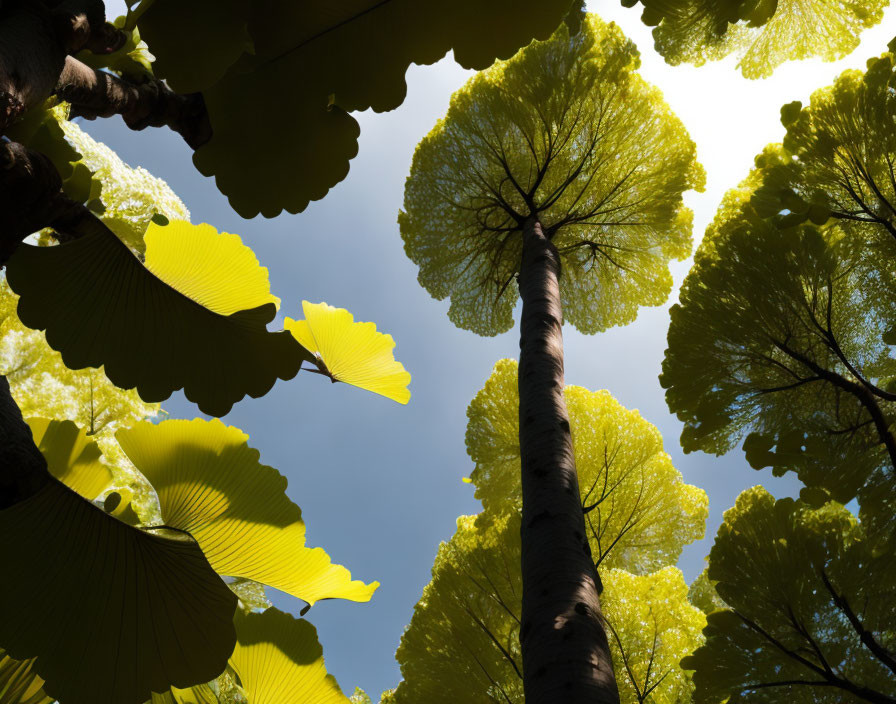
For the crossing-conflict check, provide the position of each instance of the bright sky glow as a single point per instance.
(379, 483)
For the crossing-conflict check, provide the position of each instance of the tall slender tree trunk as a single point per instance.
(566, 656)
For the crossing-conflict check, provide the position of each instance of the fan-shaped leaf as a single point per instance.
(200, 694)
(19, 684)
(216, 270)
(211, 484)
(72, 457)
(351, 352)
(110, 613)
(279, 661)
(274, 148)
(101, 306)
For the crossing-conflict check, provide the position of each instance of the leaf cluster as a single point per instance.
(762, 33)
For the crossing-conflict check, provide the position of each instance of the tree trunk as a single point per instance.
(566, 656)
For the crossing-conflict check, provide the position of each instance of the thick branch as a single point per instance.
(34, 41)
(866, 636)
(31, 198)
(31, 58)
(861, 392)
(95, 94)
(23, 470)
(81, 24)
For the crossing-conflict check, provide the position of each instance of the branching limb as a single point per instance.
(95, 94)
(866, 636)
(31, 197)
(81, 24)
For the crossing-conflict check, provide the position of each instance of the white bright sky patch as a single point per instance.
(380, 484)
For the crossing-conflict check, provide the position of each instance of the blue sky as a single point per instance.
(380, 484)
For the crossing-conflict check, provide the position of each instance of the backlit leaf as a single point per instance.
(211, 484)
(100, 306)
(354, 353)
(72, 457)
(19, 684)
(279, 661)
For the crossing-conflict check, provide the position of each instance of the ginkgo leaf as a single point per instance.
(211, 484)
(200, 694)
(100, 306)
(72, 457)
(354, 353)
(110, 613)
(19, 684)
(214, 269)
(274, 149)
(279, 661)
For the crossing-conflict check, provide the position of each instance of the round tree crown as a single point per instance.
(567, 132)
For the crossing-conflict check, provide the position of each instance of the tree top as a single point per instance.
(566, 131)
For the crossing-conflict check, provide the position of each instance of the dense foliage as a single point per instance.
(763, 34)
(783, 339)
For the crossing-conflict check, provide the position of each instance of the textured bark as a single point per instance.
(31, 198)
(31, 58)
(566, 656)
(23, 470)
(95, 94)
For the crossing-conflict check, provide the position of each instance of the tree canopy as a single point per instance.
(795, 355)
(762, 33)
(566, 131)
(809, 608)
(638, 511)
(463, 641)
(782, 339)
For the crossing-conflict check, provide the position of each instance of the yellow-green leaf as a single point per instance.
(72, 457)
(200, 694)
(351, 352)
(279, 661)
(100, 306)
(639, 511)
(211, 484)
(110, 612)
(18, 682)
(216, 270)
